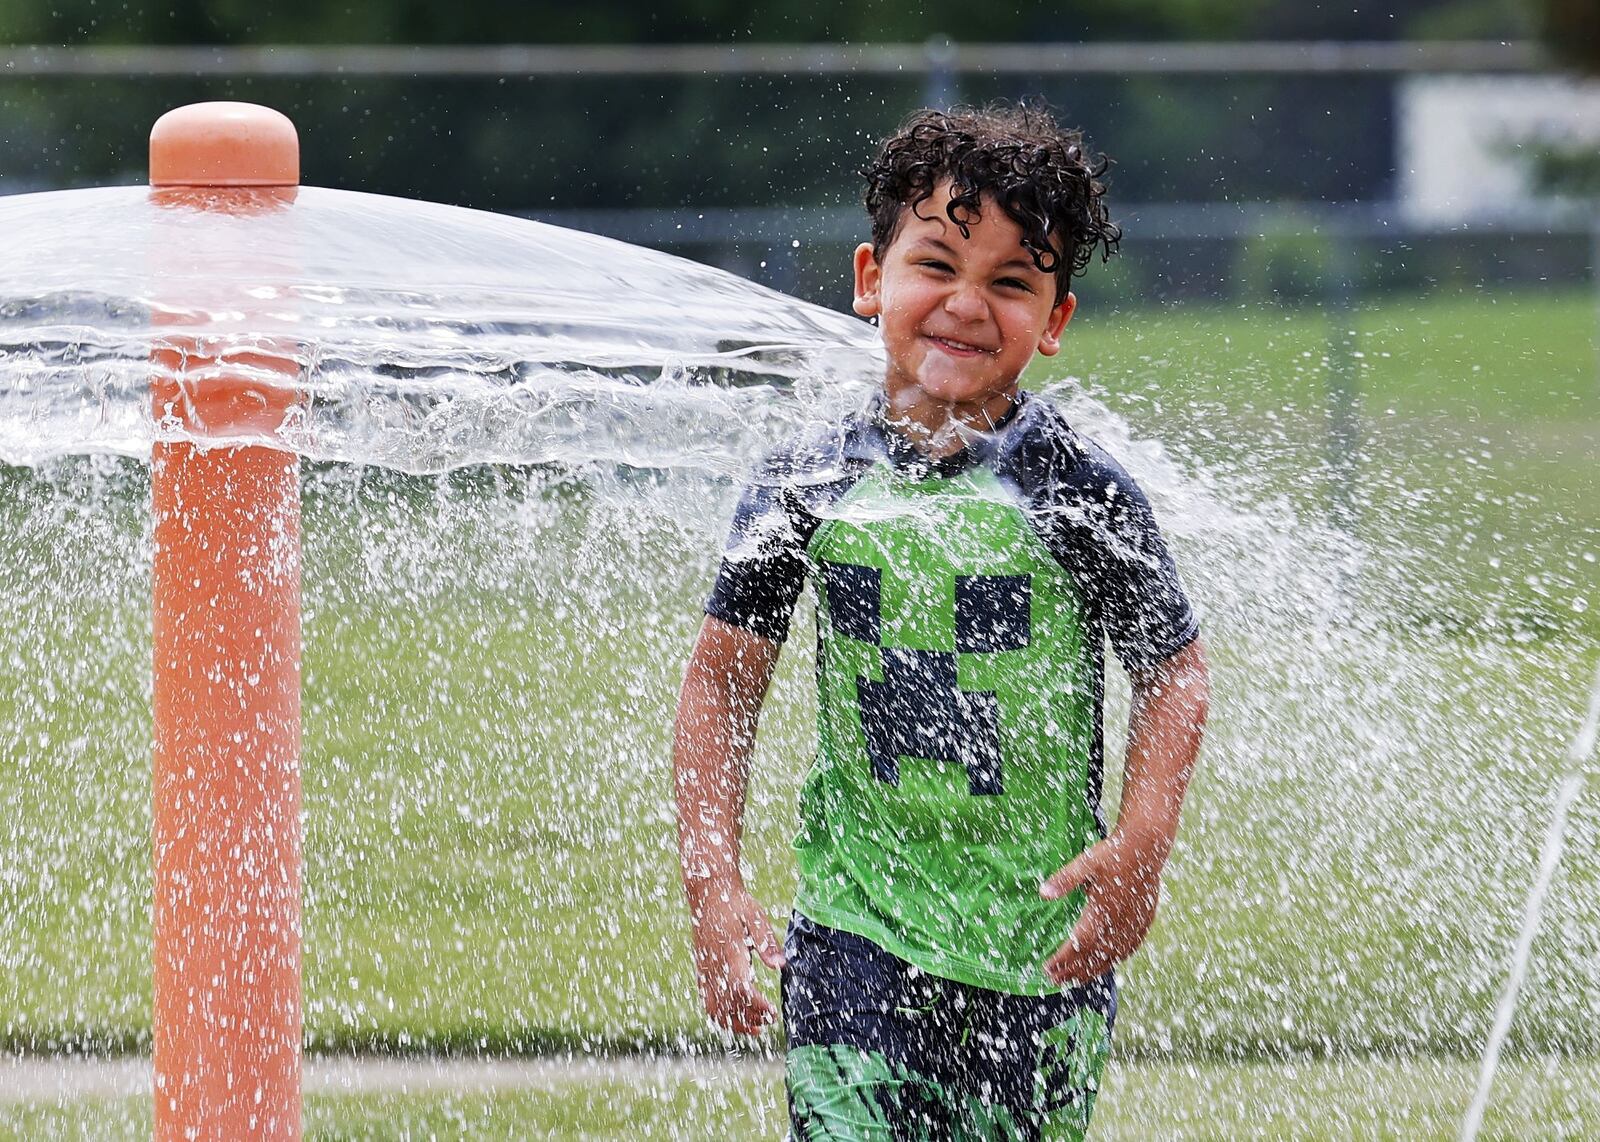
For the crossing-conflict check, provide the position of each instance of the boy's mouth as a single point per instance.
(956, 348)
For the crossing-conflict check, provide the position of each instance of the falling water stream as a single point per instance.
(522, 446)
(1578, 754)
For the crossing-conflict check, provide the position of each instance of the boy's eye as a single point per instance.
(1015, 283)
(935, 264)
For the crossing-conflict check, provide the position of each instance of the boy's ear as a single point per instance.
(867, 277)
(1050, 339)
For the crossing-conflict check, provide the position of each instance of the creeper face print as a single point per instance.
(919, 710)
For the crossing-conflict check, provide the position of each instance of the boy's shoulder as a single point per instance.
(1047, 456)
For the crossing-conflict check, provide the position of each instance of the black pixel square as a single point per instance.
(855, 600)
(918, 710)
(993, 612)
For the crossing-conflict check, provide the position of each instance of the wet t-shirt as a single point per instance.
(962, 608)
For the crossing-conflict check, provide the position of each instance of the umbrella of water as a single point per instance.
(423, 337)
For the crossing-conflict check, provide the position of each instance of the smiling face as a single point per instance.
(961, 315)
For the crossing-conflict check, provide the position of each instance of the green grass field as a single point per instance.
(490, 680)
(1479, 418)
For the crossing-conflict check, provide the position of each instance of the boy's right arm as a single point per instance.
(723, 688)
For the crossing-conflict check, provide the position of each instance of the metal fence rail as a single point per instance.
(932, 58)
(1159, 221)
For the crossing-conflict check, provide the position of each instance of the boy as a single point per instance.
(948, 969)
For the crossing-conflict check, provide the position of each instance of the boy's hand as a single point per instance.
(728, 926)
(1122, 878)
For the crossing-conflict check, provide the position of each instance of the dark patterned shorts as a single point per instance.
(880, 1050)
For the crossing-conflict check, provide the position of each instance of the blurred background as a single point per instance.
(1422, 143)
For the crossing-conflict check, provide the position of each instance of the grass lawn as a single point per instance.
(1477, 445)
(490, 675)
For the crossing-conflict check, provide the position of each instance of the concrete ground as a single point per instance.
(49, 1078)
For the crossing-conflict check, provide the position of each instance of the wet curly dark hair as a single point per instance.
(1039, 172)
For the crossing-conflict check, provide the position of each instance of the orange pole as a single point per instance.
(226, 578)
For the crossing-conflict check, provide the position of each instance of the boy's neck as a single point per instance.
(939, 428)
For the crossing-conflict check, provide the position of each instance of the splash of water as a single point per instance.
(1578, 754)
(492, 660)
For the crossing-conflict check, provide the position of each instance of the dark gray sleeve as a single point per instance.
(764, 564)
(1148, 617)
(1098, 524)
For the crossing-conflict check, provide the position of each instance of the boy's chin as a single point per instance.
(941, 379)
(956, 392)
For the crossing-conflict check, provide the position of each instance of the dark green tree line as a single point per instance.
(789, 21)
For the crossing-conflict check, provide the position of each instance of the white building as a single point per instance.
(1466, 143)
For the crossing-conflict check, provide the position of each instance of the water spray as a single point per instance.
(1578, 754)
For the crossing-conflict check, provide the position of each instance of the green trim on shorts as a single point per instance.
(1081, 1045)
(841, 1093)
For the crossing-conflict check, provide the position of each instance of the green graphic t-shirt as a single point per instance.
(961, 609)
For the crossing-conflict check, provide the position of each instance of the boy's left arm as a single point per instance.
(1121, 875)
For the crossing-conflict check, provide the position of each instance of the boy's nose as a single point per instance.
(966, 302)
